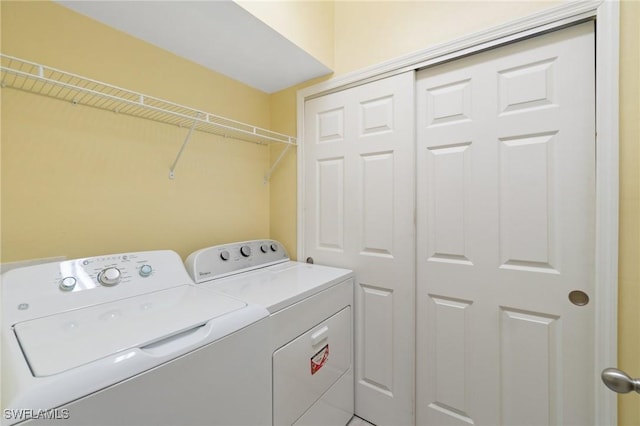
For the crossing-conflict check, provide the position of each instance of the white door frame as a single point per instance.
(606, 15)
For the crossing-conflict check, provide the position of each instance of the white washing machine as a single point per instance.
(310, 325)
(128, 339)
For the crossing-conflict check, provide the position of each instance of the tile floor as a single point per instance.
(357, 421)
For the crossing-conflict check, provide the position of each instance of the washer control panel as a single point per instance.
(48, 288)
(229, 259)
(105, 271)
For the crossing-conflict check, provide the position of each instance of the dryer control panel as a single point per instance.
(229, 259)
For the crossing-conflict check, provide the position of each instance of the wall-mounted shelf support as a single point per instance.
(39, 79)
(184, 144)
(267, 175)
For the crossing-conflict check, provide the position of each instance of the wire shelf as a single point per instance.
(35, 78)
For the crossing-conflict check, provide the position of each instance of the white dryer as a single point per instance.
(128, 339)
(310, 323)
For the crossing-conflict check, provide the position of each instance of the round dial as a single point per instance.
(145, 270)
(67, 283)
(224, 255)
(109, 276)
(245, 251)
(264, 248)
(274, 247)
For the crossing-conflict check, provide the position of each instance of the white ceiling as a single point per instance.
(219, 35)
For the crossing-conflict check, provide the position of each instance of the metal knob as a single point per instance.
(67, 283)
(619, 381)
(145, 270)
(109, 277)
(245, 251)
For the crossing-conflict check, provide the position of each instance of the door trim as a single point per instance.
(606, 14)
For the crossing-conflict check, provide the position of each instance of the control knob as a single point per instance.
(224, 255)
(145, 270)
(264, 248)
(245, 251)
(274, 247)
(109, 276)
(67, 283)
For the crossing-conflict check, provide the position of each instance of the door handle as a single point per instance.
(619, 381)
(177, 342)
(319, 335)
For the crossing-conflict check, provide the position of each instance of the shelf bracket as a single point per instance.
(267, 175)
(172, 174)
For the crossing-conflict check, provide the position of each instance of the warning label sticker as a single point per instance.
(319, 359)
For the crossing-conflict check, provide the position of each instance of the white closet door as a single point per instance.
(359, 202)
(505, 199)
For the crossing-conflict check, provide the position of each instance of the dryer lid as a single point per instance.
(276, 287)
(60, 342)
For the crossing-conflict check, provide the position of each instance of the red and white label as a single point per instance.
(319, 359)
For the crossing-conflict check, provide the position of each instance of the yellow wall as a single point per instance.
(370, 32)
(283, 201)
(629, 264)
(367, 33)
(308, 24)
(78, 181)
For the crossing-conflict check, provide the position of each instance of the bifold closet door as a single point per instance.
(505, 235)
(358, 213)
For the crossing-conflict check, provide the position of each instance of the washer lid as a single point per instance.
(63, 341)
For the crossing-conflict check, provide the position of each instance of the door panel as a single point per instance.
(530, 345)
(527, 213)
(330, 204)
(377, 338)
(377, 196)
(448, 203)
(359, 202)
(505, 231)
